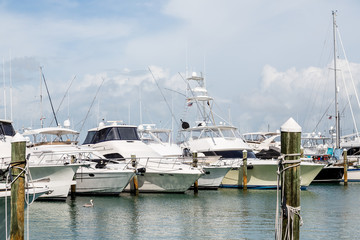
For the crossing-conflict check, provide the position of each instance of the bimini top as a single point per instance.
(51, 136)
(58, 131)
(201, 127)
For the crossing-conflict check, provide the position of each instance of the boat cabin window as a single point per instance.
(128, 133)
(89, 138)
(7, 129)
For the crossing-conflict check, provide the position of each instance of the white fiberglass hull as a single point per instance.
(58, 178)
(213, 177)
(169, 182)
(263, 174)
(353, 174)
(165, 175)
(102, 181)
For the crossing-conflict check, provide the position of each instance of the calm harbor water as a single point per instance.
(328, 212)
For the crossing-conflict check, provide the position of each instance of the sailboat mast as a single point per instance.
(41, 109)
(337, 117)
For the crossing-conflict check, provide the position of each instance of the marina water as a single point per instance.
(329, 212)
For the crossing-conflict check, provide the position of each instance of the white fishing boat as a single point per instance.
(103, 177)
(160, 141)
(93, 173)
(159, 174)
(55, 176)
(210, 139)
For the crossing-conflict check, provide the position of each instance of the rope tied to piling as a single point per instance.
(291, 212)
(288, 211)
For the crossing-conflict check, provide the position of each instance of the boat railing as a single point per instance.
(159, 162)
(60, 157)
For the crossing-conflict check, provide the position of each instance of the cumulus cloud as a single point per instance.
(305, 94)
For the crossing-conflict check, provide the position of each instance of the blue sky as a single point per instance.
(264, 61)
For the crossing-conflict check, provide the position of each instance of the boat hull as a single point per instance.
(166, 182)
(353, 174)
(330, 174)
(263, 174)
(58, 178)
(102, 181)
(213, 177)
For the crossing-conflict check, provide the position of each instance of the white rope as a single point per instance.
(28, 177)
(291, 211)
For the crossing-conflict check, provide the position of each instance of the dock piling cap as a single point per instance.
(290, 126)
(18, 138)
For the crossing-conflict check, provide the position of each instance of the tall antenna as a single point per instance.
(337, 117)
(62, 100)
(41, 105)
(129, 111)
(4, 88)
(140, 107)
(92, 103)
(162, 94)
(47, 90)
(11, 104)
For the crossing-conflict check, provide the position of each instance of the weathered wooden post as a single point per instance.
(290, 185)
(18, 163)
(195, 164)
(244, 170)
(345, 168)
(73, 186)
(134, 186)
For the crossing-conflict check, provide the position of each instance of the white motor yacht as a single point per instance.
(93, 175)
(57, 177)
(208, 138)
(159, 174)
(160, 141)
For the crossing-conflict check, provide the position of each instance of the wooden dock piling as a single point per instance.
(345, 168)
(134, 186)
(195, 164)
(290, 185)
(73, 186)
(244, 170)
(18, 163)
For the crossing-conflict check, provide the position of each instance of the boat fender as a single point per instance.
(141, 170)
(250, 167)
(207, 172)
(100, 164)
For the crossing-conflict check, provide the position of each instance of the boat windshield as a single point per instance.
(112, 133)
(228, 133)
(89, 137)
(7, 129)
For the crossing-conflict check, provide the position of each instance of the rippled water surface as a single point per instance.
(328, 211)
